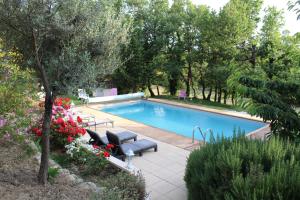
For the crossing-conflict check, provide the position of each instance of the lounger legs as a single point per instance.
(141, 153)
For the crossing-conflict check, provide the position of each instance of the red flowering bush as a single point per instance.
(64, 129)
(90, 160)
(64, 102)
(103, 152)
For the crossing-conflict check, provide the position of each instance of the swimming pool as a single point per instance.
(181, 120)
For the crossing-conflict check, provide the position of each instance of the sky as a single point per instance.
(291, 23)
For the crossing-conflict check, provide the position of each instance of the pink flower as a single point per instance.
(2, 122)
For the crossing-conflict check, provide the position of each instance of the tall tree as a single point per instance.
(147, 40)
(69, 43)
(189, 36)
(270, 91)
(222, 33)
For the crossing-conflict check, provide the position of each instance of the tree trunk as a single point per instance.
(225, 96)
(203, 90)
(151, 91)
(172, 86)
(253, 56)
(216, 93)
(209, 94)
(194, 90)
(189, 80)
(220, 94)
(43, 172)
(187, 91)
(157, 89)
(232, 97)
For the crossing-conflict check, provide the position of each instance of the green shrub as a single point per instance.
(52, 173)
(240, 168)
(124, 186)
(18, 90)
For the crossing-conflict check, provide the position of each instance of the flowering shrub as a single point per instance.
(103, 152)
(91, 160)
(64, 128)
(64, 102)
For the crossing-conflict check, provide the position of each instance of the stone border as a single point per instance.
(65, 176)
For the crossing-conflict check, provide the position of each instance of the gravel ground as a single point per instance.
(18, 173)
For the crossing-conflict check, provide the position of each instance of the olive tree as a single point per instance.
(69, 43)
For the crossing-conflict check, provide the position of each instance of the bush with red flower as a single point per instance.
(91, 160)
(64, 102)
(64, 128)
(105, 152)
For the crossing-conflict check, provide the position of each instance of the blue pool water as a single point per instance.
(181, 120)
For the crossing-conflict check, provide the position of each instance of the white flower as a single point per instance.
(73, 147)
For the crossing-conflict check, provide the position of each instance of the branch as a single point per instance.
(39, 65)
(11, 26)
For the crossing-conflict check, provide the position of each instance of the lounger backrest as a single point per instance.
(113, 138)
(95, 137)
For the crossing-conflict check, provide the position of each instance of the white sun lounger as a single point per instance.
(90, 120)
(96, 122)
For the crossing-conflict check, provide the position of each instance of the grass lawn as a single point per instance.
(200, 102)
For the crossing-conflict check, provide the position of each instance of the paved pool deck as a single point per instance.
(163, 170)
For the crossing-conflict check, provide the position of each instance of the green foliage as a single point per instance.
(74, 99)
(295, 6)
(118, 185)
(17, 86)
(70, 43)
(81, 43)
(185, 44)
(62, 159)
(268, 84)
(240, 168)
(18, 90)
(147, 40)
(274, 101)
(52, 173)
(89, 163)
(124, 186)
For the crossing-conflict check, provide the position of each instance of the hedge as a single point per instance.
(240, 168)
